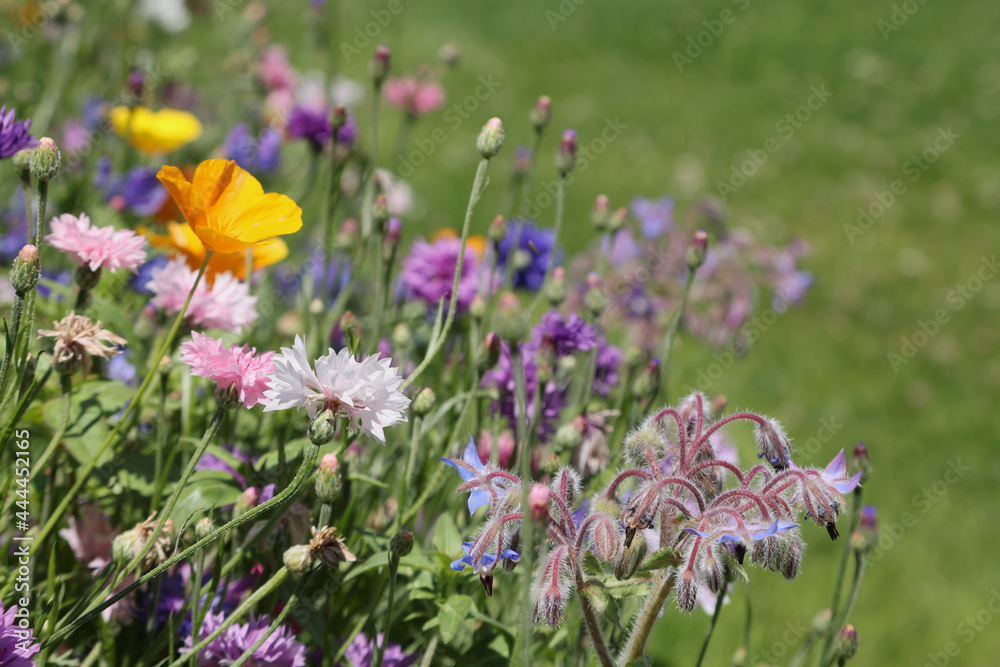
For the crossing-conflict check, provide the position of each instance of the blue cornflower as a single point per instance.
(656, 218)
(530, 255)
(260, 154)
(142, 277)
(139, 190)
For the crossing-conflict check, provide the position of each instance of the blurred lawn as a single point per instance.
(685, 131)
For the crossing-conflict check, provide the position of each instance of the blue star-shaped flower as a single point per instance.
(486, 560)
(836, 475)
(467, 469)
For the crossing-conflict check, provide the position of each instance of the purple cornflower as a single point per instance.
(562, 337)
(348, 134)
(14, 135)
(139, 190)
(281, 649)
(14, 226)
(361, 652)
(256, 154)
(552, 396)
(609, 358)
(312, 125)
(531, 254)
(429, 272)
(656, 218)
(17, 644)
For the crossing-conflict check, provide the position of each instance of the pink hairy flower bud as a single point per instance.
(607, 541)
(773, 444)
(687, 590)
(538, 501)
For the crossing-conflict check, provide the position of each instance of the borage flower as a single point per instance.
(366, 392)
(97, 247)
(481, 485)
(236, 366)
(227, 207)
(225, 304)
(485, 565)
(155, 131)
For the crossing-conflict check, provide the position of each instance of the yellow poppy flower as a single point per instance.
(227, 208)
(155, 131)
(181, 240)
(476, 242)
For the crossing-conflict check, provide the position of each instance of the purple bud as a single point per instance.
(136, 84)
(713, 569)
(538, 501)
(541, 113)
(338, 117)
(490, 138)
(566, 155)
(497, 231)
(695, 256)
(379, 67)
(860, 461)
(600, 213)
(847, 643)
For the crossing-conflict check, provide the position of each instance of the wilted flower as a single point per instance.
(236, 366)
(152, 132)
(90, 536)
(78, 338)
(366, 392)
(329, 549)
(97, 247)
(225, 304)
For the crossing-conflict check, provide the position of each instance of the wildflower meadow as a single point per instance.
(572, 333)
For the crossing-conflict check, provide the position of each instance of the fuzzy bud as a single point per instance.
(401, 544)
(538, 501)
(497, 231)
(607, 541)
(713, 569)
(510, 321)
(323, 428)
(402, 336)
(45, 160)
(328, 482)
(450, 54)
(123, 547)
(600, 213)
(773, 444)
(490, 138)
(351, 330)
(477, 307)
(631, 557)
(423, 403)
(568, 436)
(204, 528)
(617, 220)
(821, 623)
(24, 274)
(246, 502)
(22, 164)
(136, 84)
(541, 113)
(555, 288)
(687, 590)
(338, 118)
(866, 536)
(696, 251)
(790, 560)
(87, 279)
(298, 559)
(847, 643)
(551, 590)
(227, 398)
(379, 66)
(739, 658)
(647, 384)
(860, 462)
(489, 352)
(393, 232)
(594, 299)
(380, 211)
(566, 155)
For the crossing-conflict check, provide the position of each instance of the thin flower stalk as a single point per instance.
(66, 395)
(527, 534)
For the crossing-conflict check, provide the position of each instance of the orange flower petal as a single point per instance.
(271, 215)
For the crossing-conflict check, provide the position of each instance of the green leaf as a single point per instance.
(452, 614)
(93, 403)
(446, 537)
(358, 477)
(660, 559)
(205, 490)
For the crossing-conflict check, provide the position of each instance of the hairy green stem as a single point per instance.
(593, 626)
(842, 571)
(527, 536)
(646, 619)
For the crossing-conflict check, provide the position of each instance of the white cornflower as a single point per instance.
(366, 392)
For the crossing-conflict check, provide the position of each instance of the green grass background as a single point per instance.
(824, 360)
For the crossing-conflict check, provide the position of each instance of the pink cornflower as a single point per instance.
(235, 366)
(97, 247)
(413, 96)
(225, 304)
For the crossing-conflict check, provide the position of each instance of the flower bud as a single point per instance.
(713, 569)
(594, 299)
(227, 398)
(538, 501)
(695, 256)
(617, 219)
(379, 66)
(522, 161)
(489, 352)
(136, 85)
(477, 307)
(402, 336)
(204, 528)
(687, 590)
(631, 557)
(298, 559)
(505, 450)
(790, 559)
(739, 658)
(347, 234)
(497, 231)
(351, 330)
(323, 428)
(24, 274)
(600, 213)
(866, 536)
(450, 54)
(568, 436)
(246, 502)
(773, 444)
(607, 541)
(847, 643)
(87, 279)
(860, 462)
(551, 591)
(123, 548)
(393, 232)
(338, 118)
(821, 623)
(566, 155)
(401, 544)
(510, 321)
(45, 160)
(555, 287)
(541, 113)
(647, 384)
(328, 482)
(380, 212)
(490, 138)
(423, 403)
(22, 164)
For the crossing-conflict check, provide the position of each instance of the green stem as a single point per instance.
(241, 611)
(161, 441)
(711, 626)
(527, 536)
(410, 465)
(646, 619)
(526, 183)
(593, 627)
(304, 471)
(560, 207)
(133, 405)
(369, 196)
(435, 346)
(66, 387)
(393, 571)
(860, 567)
(668, 342)
(842, 571)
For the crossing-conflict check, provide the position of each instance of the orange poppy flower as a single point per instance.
(227, 207)
(476, 242)
(181, 240)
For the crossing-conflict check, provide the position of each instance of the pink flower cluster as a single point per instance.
(413, 96)
(225, 304)
(235, 366)
(97, 247)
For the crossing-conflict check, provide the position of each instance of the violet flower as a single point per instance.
(312, 125)
(362, 651)
(281, 649)
(14, 135)
(17, 645)
(256, 154)
(429, 272)
(531, 254)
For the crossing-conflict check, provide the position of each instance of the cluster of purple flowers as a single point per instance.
(14, 135)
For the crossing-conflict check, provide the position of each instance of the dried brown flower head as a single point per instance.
(77, 339)
(328, 548)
